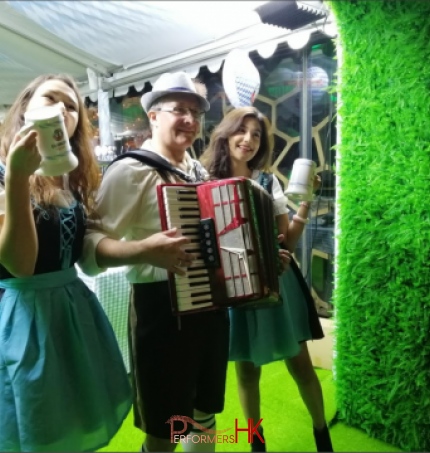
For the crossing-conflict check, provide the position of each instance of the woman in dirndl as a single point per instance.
(63, 383)
(241, 145)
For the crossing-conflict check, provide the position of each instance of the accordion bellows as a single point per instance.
(233, 232)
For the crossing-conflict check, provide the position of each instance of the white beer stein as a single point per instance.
(301, 183)
(53, 141)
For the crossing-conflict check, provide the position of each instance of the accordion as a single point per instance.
(232, 229)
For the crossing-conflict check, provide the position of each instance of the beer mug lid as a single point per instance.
(303, 161)
(44, 113)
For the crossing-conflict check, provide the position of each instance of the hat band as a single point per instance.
(182, 89)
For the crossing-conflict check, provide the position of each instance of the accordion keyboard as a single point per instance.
(193, 290)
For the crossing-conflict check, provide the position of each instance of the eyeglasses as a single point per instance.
(182, 112)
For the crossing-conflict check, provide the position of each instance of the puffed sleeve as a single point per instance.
(279, 199)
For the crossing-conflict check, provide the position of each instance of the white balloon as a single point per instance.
(317, 78)
(240, 78)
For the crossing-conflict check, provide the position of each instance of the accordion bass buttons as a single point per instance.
(208, 243)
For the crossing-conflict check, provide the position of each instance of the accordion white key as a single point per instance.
(233, 232)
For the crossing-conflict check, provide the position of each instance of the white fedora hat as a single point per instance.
(172, 83)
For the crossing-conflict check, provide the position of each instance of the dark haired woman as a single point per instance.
(241, 145)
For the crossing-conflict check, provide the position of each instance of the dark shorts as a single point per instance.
(178, 364)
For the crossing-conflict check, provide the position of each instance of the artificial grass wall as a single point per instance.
(383, 263)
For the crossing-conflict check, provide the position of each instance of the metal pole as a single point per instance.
(305, 150)
(105, 133)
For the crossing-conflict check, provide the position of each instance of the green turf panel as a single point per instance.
(383, 268)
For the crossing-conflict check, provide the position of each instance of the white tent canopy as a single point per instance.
(115, 44)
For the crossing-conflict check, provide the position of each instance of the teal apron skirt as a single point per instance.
(265, 335)
(63, 383)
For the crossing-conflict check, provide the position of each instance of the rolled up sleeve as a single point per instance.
(88, 260)
(116, 205)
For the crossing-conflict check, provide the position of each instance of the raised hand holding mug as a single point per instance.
(53, 141)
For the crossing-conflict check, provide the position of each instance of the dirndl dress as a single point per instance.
(63, 382)
(264, 335)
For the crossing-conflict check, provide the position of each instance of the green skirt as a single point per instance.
(63, 383)
(265, 335)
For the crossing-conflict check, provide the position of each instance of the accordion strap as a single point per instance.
(154, 160)
(266, 181)
(2, 175)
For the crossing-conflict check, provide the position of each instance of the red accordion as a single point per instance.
(232, 229)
